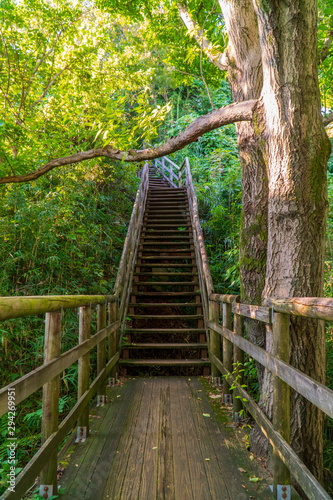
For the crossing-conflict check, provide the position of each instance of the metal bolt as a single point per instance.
(284, 495)
(45, 495)
(284, 488)
(46, 488)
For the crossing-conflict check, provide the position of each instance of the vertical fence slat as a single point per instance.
(214, 337)
(227, 351)
(238, 367)
(84, 365)
(113, 338)
(52, 349)
(281, 398)
(101, 352)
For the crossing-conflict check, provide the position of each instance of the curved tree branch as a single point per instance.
(219, 59)
(327, 120)
(232, 113)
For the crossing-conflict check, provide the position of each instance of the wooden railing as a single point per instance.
(168, 169)
(229, 364)
(123, 283)
(47, 376)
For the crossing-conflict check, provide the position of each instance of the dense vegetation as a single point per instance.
(84, 80)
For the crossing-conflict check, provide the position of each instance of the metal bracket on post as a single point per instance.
(81, 435)
(112, 382)
(239, 417)
(46, 491)
(228, 399)
(217, 381)
(283, 492)
(100, 400)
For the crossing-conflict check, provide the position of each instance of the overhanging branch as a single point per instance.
(237, 112)
(328, 119)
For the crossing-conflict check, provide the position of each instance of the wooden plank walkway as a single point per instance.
(153, 442)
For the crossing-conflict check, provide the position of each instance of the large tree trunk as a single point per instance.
(297, 154)
(245, 79)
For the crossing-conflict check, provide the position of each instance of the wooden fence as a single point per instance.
(227, 348)
(47, 376)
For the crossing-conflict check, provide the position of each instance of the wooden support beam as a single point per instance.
(281, 398)
(84, 365)
(50, 409)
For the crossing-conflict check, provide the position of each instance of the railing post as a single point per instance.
(281, 404)
(214, 337)
(113, 337)
(52, 349)
(101, 353)
(238, 368)
(84, 373)
(227, 351)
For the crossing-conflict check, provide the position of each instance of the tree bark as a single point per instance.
(297, 153)
(245, 79)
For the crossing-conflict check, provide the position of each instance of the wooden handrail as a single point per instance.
(276, 314)
(48, 375)
(128, 258)
(18, 307)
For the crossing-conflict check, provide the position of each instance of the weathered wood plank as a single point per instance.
(302, 475)
(227, 299)
(315, 392)
(165, 480)
(149, 475)
(18, 307)
(183, 486)
(311, 307)
(29, 383)
(254, 312)
(195, 459)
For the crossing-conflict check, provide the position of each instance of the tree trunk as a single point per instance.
(245, 79)
(297, 153)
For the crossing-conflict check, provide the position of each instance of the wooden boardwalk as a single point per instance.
(153, 442)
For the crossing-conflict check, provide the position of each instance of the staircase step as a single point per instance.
(165, 294)
(192, 345)
(166, 243)
(162, 251)
(161, 236)
(167, 257)
(165, 274)
(165, 316)
(154, 232)
(166, 265)
(164, 362)
(160, 283)
(167, 304)
(165, 330)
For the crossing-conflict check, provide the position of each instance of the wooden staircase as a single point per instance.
(165, 317)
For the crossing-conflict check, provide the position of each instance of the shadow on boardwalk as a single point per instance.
(153, 442)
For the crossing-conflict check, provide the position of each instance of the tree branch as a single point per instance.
(326, 47)
(327, 119)
(232, 113)
(219, 59)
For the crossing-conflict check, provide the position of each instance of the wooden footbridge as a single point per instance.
(156, 437)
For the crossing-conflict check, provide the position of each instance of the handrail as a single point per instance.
(205, 278)
(48, 377)
(276, 314)
(127, 261)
